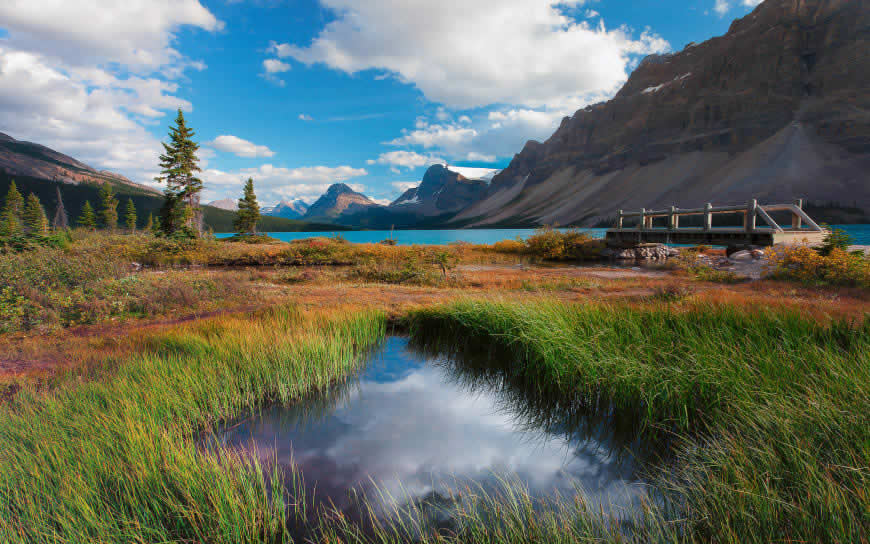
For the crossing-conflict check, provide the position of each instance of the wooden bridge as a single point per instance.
(749, 234)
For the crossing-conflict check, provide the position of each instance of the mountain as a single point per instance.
(18, 158)
(778, 108)
(442, 191)
(288, 209)
(338, 200)
(229, 204)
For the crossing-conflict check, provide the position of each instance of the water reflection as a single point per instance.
(414, 424)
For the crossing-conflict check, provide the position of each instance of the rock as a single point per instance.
(742, 255)
(651, 252)
(673, 252)
(757, 254)
(626, 254)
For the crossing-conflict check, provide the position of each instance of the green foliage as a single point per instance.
(108, 207)
(549, 244)
(34, 217)
(88, 219)
(11, 217)
(835, 239)
(179, 165)
(130, 215)
(149, 223)
(248, 213)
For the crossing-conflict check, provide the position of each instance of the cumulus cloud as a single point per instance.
(405, 159)
(135, 33)
(722, 7)
(89, 93)
(274, 183)
(305, 117)
(240, 147)
(525, 52)
(275, 66)
(403, 186)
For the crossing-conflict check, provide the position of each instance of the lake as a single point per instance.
(410, 427)
(861, 234)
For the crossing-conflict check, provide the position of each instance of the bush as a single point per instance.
(804, 264)
(835, 239)
(572, 245)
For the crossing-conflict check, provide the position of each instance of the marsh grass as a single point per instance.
(767, 411)
(117, 459)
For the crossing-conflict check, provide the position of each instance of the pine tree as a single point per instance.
(249, 211)
(108, 207)
(149, 224)
(88, 219)
(179, 165)
(130, 215)
(61, 219)
(11, 215)
(156, 229)
(34, 216)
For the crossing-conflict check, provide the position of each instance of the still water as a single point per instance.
(410, 426)
(860, 234)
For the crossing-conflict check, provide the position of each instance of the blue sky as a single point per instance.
(303, 93)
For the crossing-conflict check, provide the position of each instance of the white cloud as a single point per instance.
(275, 66)
(525, 52)
(135, 33)
(85, 76)
(442, 136)
(273, 183)
(403, 186)
(240, 147)
(406, 159)
(722, 7)
(305, 117)
(591, 14)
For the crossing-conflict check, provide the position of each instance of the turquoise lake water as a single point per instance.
(860, 233)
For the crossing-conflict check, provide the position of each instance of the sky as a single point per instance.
(300, 94)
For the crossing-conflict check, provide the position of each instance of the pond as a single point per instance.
(410, 428)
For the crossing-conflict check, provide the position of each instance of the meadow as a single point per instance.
(129, 349)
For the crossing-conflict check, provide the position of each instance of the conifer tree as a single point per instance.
(149, 224)
(11, 215)
(249, 211)
(88, 219)
(108, 207)
(61, 219)
(130, 215)
(179, 165)
(156, 229)
(34, 216)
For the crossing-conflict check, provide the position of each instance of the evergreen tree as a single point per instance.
(179, 165)
(34, 216)
(108, 207)
(130, 215)
(61, 219)
(156, 229)
(12, 214)
(249, 211)
(88, 219)
(149, 224)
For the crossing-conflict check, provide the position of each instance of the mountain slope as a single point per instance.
(288, 209)
(18, 158)
(776, 109)
(338, 200)
(442, 191)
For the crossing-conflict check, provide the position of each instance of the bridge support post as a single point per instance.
(619, 220)
(795, 218)
(643, 219)
(673, 219)
(708, 217)
(751, 213)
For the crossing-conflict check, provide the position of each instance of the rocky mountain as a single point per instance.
(337, 201)
(777, 108)
(229, 204)
(442, 191)
(18, 158)
(288, 209)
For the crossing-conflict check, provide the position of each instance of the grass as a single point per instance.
(767, 411)
(114, 458)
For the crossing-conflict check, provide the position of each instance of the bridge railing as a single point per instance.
(751, 211)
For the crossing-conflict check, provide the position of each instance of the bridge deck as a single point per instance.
(716, 237)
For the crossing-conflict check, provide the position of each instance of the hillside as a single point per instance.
(74, 197)
(338, 200)
(778, 108)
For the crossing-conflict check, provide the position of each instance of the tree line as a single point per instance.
(180, 214)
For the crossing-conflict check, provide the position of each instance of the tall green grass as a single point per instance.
(769, 411)
(118, 459)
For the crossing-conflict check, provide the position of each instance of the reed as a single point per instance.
(117, 459)
(767, 410)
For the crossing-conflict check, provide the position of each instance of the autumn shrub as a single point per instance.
(572, 245)
(806, 265)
